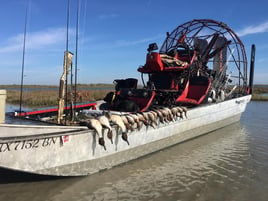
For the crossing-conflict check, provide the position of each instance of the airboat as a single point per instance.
(196, 83)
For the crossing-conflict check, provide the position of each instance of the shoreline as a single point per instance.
(47, 95)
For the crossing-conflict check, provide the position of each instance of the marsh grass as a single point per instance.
(33, 98)
(258, 90)
(44, 98)
(258, 97)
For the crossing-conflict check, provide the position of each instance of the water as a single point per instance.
(265, 94)
(228, 164)
(10, 120)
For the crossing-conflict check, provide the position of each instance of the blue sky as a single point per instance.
(113, 35)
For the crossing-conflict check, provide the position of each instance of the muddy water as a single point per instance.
(228, 164)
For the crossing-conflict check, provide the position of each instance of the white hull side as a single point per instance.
(42, 153)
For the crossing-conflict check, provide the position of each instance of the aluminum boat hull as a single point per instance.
(74, 151)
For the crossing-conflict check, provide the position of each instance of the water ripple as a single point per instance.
(228, 164)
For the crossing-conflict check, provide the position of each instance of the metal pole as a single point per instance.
(23, 55)
(252, 61)
(76, 53)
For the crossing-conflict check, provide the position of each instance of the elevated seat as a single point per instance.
(156, 62)
(153, 63)
(172, 61)
(195, 90)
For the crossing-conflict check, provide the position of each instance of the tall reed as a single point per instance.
(43, 98)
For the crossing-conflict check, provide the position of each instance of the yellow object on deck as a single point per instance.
(62, 93)
(3, 95)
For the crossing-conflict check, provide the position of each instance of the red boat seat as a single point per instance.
(156, 62)
(153, 63)
(195, 90)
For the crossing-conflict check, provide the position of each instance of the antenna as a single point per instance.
(63, 80)
(23, 54)
(67, 50)
(76, 53)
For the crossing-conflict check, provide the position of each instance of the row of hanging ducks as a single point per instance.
(131, 121)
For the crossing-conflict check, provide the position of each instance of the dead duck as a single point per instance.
(142, 119)
(125, 137)
(159, 115)
(130, 120)
(168, 114)
(127, 124)
(174, 112)
(103, 119)
(179, 112)
(151, 118)
(185, 111)
(116, 119)
(165, 114)
(96, 125)
(136, 120)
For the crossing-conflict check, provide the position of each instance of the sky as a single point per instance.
(113, 35)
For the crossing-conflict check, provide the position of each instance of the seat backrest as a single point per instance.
(126, 83)
(198, 87)
(200, 45)
(219, 60)
(195, 90)
(185, 55)
(154, 62)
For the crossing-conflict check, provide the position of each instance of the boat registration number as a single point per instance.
(28, 144)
